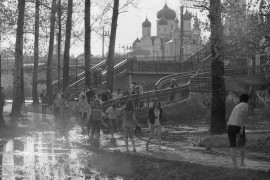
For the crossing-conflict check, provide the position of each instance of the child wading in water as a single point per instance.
(129, 123)
(96, 119)
(111, 113)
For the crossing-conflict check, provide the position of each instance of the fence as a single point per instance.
(165, 96)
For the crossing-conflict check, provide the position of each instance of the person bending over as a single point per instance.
(236, 127)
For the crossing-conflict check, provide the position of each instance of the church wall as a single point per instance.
(146, 31)
(164, 31)
(157, 45)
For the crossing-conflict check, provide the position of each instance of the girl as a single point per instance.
(129, 123)
(154, 118)
(112, 113)
(96, 119)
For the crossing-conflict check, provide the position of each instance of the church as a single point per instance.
(166, 44)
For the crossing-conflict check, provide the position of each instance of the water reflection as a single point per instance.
(46, 155)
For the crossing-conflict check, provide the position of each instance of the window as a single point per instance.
(149, 32)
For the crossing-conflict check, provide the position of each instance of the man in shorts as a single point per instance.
(236, 127)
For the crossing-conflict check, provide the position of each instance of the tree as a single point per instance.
(67, 45)
(2, 122)
(87, 45)
(110, 59)
(36, 55)
(218, 122)
(50, 53)
(59, 43)
(17, 102)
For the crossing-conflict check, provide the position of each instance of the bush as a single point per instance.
(7, 83)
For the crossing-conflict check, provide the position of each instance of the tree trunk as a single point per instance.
(59, 44)
(36, 56)
(2, 122)
(22, 84)
(87, 45)
(67, 46)
(50, 53)
(110, 60)
(17, 100)
(218, 121)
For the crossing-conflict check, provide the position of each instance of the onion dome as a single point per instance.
(137, 40)
(167, 13)
(146, 23)
(162, 21)
(187, 16)
(176, 20)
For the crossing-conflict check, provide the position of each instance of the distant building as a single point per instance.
(167, 40)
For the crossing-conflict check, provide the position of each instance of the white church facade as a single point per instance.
(166, 44)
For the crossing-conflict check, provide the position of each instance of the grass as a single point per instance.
(259, 142)
(136, 167)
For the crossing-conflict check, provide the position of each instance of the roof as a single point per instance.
(162, 21)
(146, 23)
(167, 12)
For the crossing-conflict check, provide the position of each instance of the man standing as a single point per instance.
(236, 127)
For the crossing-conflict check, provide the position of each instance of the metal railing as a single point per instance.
(79, 76)
(203, 82)
(166, 96)
(120, 70)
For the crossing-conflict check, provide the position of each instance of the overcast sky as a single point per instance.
(130, 25)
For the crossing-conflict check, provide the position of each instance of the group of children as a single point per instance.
(92, 117)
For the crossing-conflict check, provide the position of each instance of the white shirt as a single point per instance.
(112, 113)
(239, 114)
(157, 120)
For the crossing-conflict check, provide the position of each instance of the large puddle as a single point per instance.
(47, 155)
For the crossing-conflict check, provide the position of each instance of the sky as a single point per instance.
(130, 25)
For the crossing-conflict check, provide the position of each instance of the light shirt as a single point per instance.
(83, 106)
(112, 113)
(157, 112)
(238, 115)
(57, 102)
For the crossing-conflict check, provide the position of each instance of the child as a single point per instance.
(236, 127)
(96, 119)
(24, 111)
(112, 113)
(56, 107)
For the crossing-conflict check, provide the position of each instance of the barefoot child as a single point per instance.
(112, 113)
(236, 127)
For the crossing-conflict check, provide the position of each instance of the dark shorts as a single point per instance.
(233, 132)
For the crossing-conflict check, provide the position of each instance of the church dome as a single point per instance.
(146, 23)
(137, 40)
(167, 13)
(162, 21)
(187, 16)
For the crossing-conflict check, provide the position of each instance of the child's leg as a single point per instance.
(159, 136)
(98, 130)
(125, 129)
(131, 136)
(151, 136)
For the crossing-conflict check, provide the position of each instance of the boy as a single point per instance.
(236, 127)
